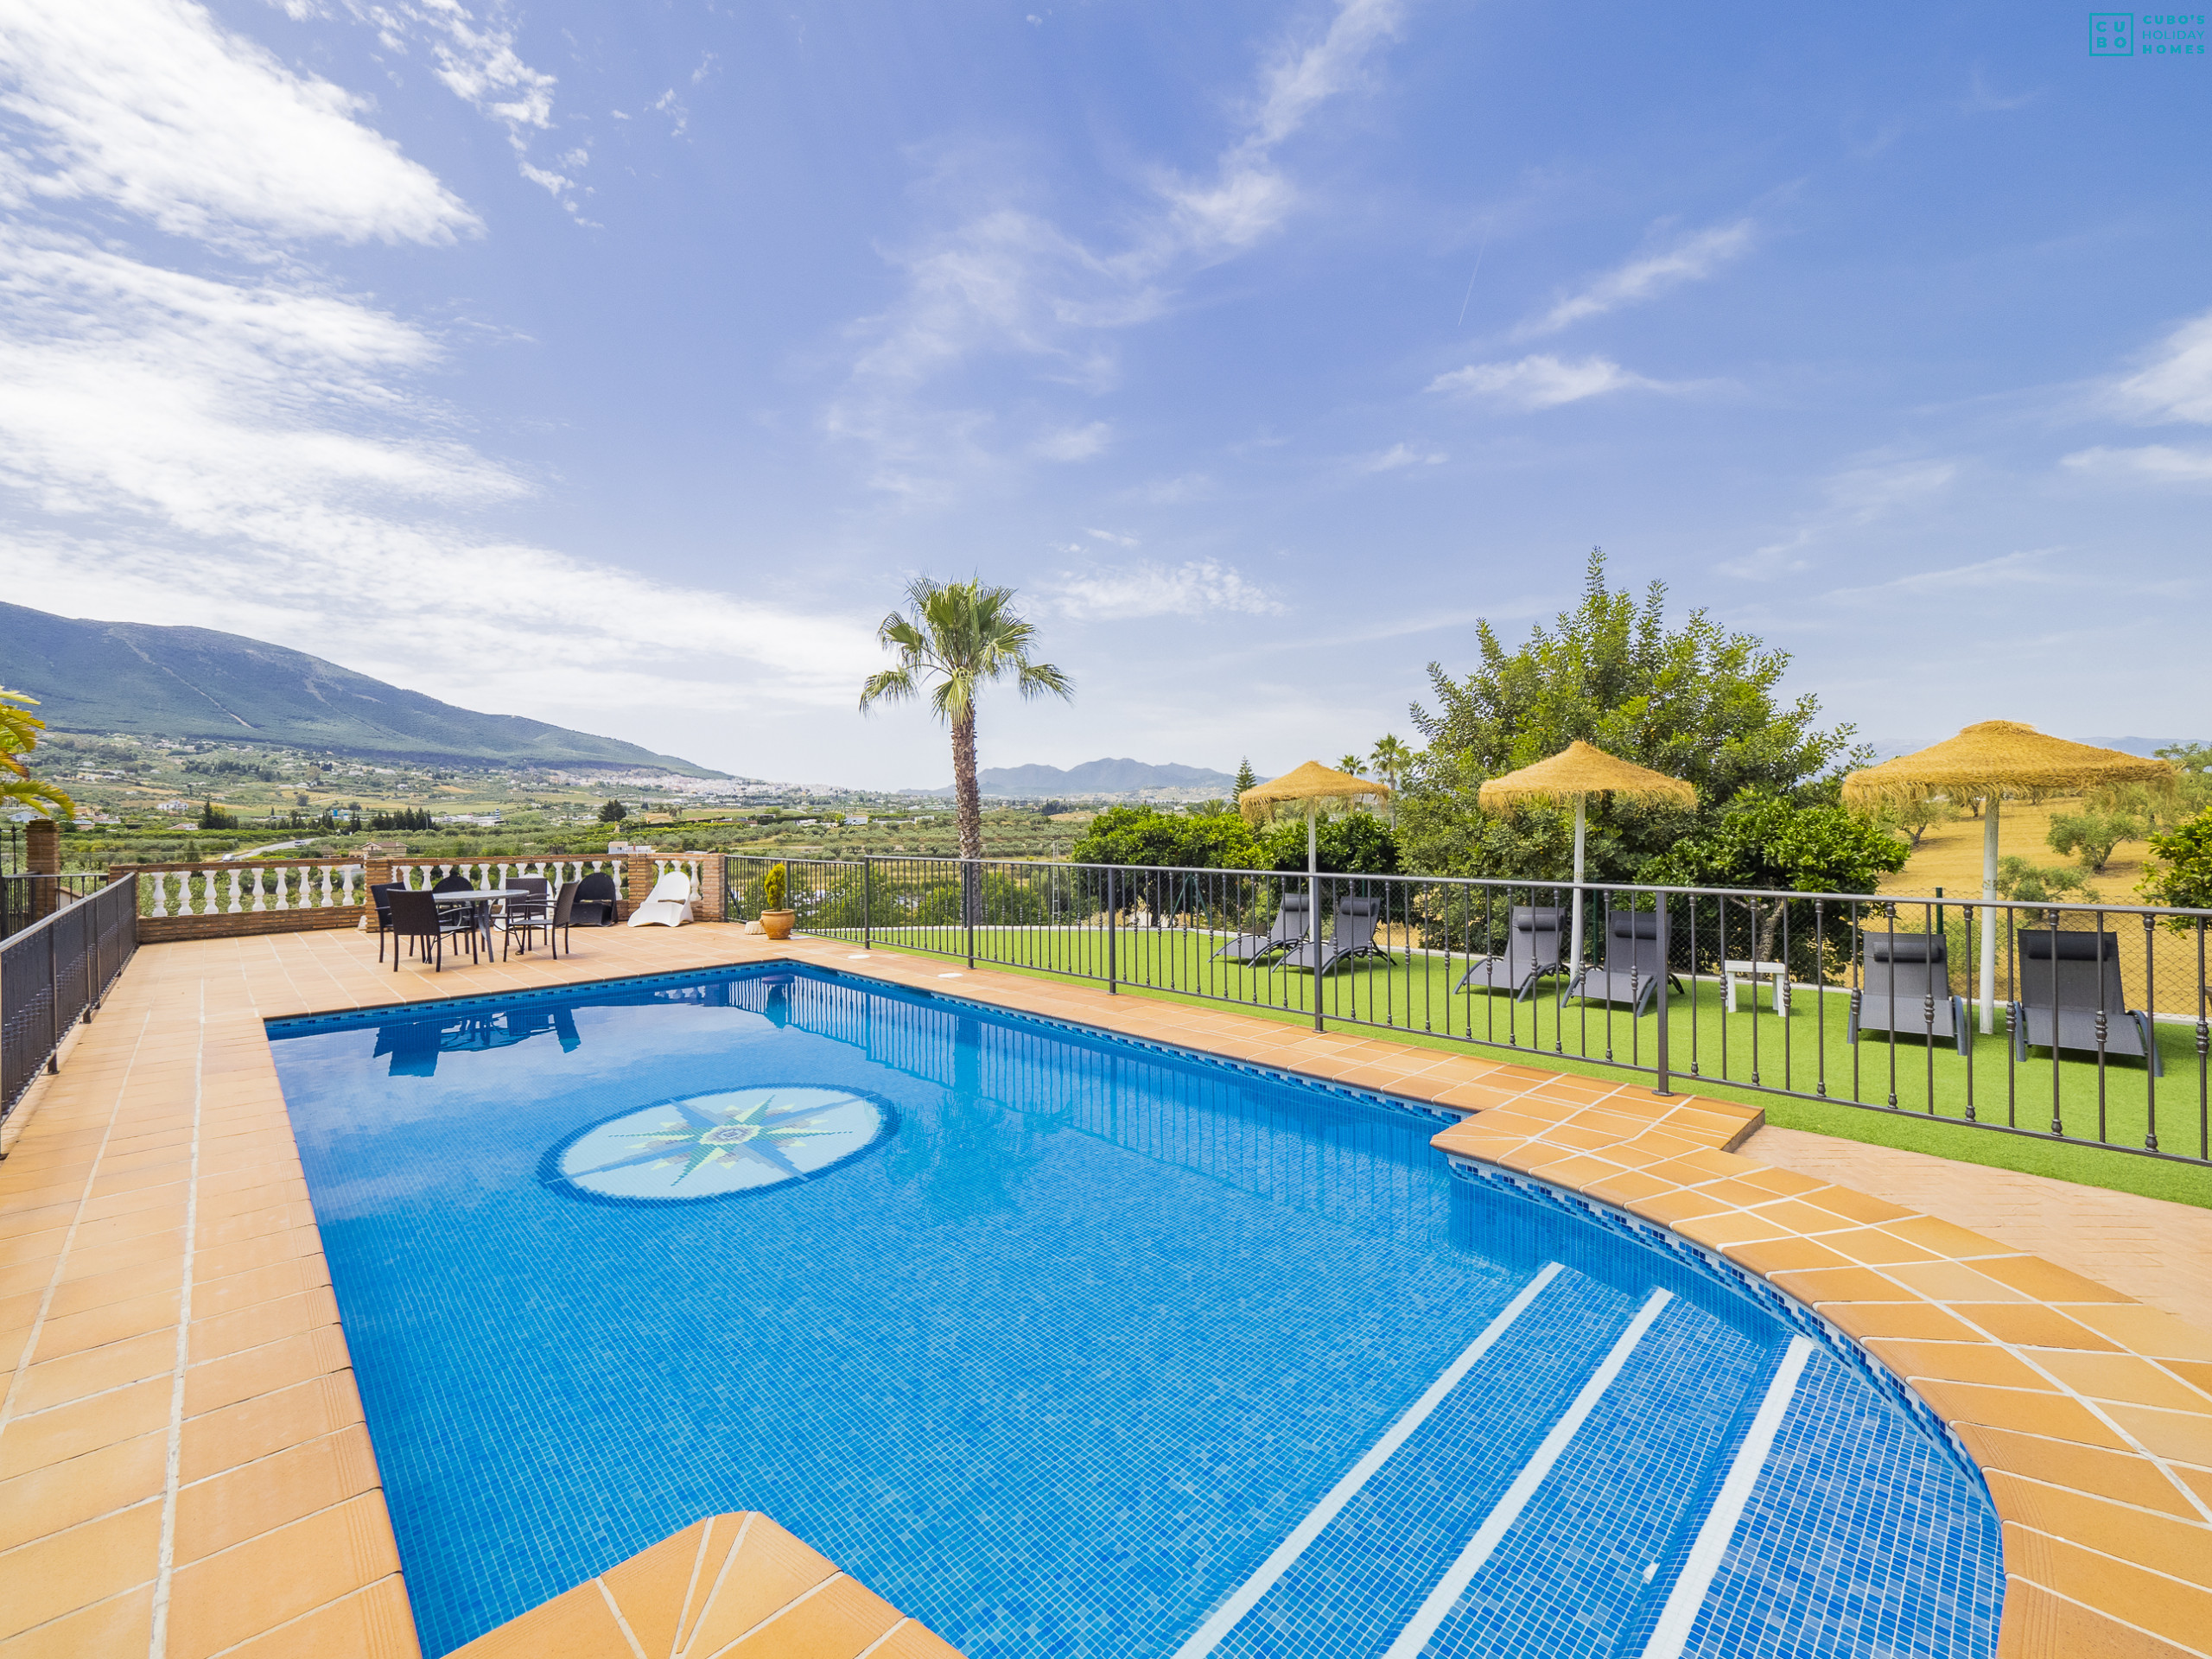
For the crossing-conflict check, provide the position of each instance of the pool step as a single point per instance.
(731, 1586)
(1561, 1493)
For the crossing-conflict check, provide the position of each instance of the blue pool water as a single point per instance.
(1068, 1346)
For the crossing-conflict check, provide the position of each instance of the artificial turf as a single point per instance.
(1908, 1093)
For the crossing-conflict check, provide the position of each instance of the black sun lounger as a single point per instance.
(1907, 990)
(2066, 979)
(1289, 930)
(1632, 966)
(1355, 936)
(1532, 950)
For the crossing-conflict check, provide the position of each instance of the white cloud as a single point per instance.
(2008, 570)
(1142, 590)
(1109, 536)
(1399, 455)
(149, 104)
(2157, 461)
(2176, 384)
(1851, 498)
(1011, 281)
(1691, 259)
(1543, 381)
(1074, 443)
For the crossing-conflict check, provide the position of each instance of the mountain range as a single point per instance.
(1092, 778)
(196, 683)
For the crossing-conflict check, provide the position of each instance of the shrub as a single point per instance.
(613, 812)
(2090, 837)
(2033, 884)
(775, 886)
(2182, 876)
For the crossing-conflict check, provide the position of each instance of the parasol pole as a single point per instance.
(1989, 913)
(1312, 875)
(1575, 961)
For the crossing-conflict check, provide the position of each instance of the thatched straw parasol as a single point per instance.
(1992, 759)
(1576, 772)
(1317, 786)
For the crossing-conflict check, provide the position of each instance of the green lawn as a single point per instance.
(1908, 1095)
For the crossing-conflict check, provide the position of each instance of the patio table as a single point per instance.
(481, 899)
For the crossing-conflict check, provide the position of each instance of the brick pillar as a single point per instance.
(712, 886)
(636, 881)
(42, 856)
(376, 870)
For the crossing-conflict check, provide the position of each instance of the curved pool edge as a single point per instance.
(168, 1109)
(2086, 1414)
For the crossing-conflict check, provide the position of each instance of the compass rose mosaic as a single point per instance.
(718, 1145)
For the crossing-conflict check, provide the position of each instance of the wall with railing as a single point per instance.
(1834, 997)
(54, 973)
(280, 895)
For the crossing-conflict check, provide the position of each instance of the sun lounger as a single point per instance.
(1906, 989)
(1532, 949)
(2066, 979)
(1633, 965)
(1355, 936)
(669, 904)
(1289, 929)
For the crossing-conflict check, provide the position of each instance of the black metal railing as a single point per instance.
(56, 972)
(25, 898)
(2078, 1022)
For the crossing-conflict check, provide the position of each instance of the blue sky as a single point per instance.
(617, 364)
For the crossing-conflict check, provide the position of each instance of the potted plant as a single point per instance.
(775, 920)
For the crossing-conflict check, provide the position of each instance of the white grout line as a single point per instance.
(1412, 1639)
(165, 1567)
(1679, 1617)
(1225, 1618)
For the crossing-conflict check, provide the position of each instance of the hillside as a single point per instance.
(196, 683)
(1092, 778)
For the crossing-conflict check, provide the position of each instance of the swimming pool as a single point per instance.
(1070, 1344)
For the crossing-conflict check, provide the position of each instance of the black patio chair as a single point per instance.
(1532, 951)
(1633, 965)
(596, 900)
(1354, 937)
(415, 917)
(2068, 985)
(1289, 928)
(380, 896)
(1906, 990)
(556, 920)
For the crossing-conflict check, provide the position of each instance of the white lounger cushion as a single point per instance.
(669, 904)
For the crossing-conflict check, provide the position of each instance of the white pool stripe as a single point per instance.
(1209, 1635)
(1679, 1617)
(1412, 1639)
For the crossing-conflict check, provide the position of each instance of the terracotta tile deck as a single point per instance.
(184, 1470)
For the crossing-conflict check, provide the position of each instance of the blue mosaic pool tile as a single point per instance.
(1053, 1363)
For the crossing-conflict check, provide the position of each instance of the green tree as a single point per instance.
(1693, 701)
(2090, 837)
(19, 730)
(1246, 777)
(2039, 883)
(1353, 843)
(1354, 764)
(1144, 835)
(1391, 758)
(613, 812)
(1767, 842)
(1914, 819)
(213, 817)
(963, 636)
(2181, 871)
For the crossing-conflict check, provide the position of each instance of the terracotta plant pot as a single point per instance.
(776, 924)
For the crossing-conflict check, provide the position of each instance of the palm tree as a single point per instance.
(1354, 764)
(19, 730)
(1392, 758)
(963, 635)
